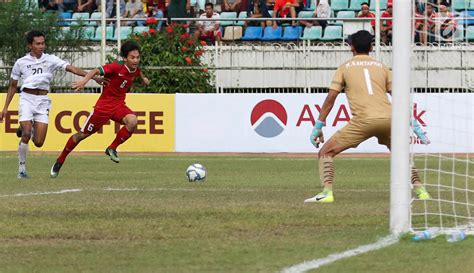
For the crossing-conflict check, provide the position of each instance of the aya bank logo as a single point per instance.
(268, 118)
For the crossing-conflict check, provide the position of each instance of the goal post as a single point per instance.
(401, 105)
(433, 83)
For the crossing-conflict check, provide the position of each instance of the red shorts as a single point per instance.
(211, 35)
(98, 118)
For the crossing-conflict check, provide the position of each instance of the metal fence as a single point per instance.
(301, 66)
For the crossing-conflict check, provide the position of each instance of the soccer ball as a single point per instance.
(196, 173)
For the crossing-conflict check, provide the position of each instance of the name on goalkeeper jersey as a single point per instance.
(363, 63)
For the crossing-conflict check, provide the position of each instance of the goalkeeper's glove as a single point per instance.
(419, 132)
(317, 134)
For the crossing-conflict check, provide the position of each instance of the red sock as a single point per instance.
(121, 137)
(70, 145)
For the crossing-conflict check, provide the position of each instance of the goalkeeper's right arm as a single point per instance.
(317, 136)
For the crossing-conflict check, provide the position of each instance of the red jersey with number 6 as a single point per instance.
(121, 79)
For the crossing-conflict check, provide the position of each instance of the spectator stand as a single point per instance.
(304, 63)
(235, 31)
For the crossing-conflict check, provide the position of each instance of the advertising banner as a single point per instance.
(155, 130)
(283, 122)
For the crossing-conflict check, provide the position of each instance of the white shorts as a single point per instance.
(34, 107)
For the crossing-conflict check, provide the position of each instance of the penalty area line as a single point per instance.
(41, 193)
(313, 264)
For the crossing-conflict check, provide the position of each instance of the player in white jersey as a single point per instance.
(35, 70)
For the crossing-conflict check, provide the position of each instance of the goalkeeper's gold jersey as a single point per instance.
(366, 83)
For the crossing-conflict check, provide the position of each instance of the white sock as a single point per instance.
(22, 152)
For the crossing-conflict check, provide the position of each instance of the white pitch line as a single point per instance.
(169, 189)
(195, 190)
(308, 265)
(224, 190)
(41, 193)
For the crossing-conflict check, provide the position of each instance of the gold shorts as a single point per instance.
(357, 131)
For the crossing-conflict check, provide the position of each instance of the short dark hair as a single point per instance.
(127, 47)
(30, 36)
(361, 41)
(209, 4)
(364, 3)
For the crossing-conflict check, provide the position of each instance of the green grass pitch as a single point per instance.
(141, 215)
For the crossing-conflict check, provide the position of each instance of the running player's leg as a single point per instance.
(26, 111)
(40, 120)
(23, 148)
(72, 142)
(93, 123)
(127, 117)
(348, 137)
(40, 129)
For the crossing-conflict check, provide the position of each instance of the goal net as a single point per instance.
(443, 103)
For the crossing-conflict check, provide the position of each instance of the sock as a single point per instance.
(415, 178)
(22, 152)
(70, 145)
(121, 137)
(326, 172)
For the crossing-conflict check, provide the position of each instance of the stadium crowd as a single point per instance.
(435, 18)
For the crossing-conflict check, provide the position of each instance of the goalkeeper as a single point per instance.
(366, 83)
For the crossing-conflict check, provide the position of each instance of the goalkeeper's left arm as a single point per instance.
(419, 131)
(416, 126)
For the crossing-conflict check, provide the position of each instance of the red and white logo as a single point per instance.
(268, 118)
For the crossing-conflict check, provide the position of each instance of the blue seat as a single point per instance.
(252, 34)
(79, 18)
(271, 34)
(292, 33)
(96, 16)
(460, 4)
(125, 33)
(140, 30)
(466, 14)
(83, 33)
(312, 33)
(65, 15)
(109, 33)
(337, 5)
(470, 33)
(86, 33)
(344, 14)
(227, 15)
(355, 4)
(383, 4)
(243, 15)
(305, 14)
(332, 33)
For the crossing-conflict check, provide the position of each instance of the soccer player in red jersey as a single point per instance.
(111, 103)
